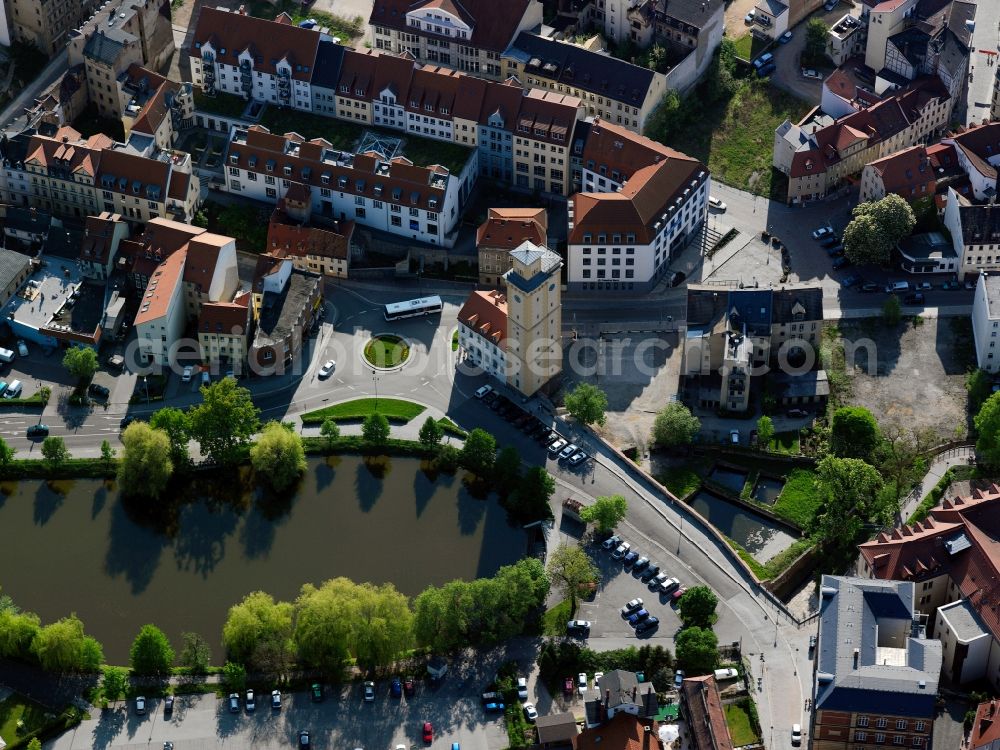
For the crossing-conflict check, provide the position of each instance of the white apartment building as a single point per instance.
(482, 332)
(986, 322)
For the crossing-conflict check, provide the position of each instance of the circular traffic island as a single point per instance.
(385, 351)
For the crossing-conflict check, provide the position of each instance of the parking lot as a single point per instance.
(341, 720)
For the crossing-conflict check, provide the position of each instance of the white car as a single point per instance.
(748, 18)
(621, 550)
(632, 606)
(187, 374)
(597, 679)
(568, 451)
(530, 712)
(522, 688)
(578, 626)
(557, 446)
(716, 203)
(483, 390)
(796, 735)
(327, 370)
(581, 683)
(810, 73)
(726, 674)
(822, 232)
(22, 348)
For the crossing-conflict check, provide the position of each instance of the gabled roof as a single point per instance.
(225, 318)
(493, 23)
(329, 58)
(506, 228)
(589, 71)
(99, 234)
(268, 42)
(288, 237)
(704, 713)
(986, 727)
(623, 732)
(160, 291)
(486, 314)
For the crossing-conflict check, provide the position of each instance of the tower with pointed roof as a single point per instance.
(534, 317)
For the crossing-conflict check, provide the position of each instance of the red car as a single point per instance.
(568, 686)
(678, 593)
(428, 732)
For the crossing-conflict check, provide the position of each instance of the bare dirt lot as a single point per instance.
(913, 375)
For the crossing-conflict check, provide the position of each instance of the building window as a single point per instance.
(879, 738)
(272, 193)
(881, 722)
(920, 726)
(862, 721)
(900, 723)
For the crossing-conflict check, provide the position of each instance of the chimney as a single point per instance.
(857, 657)
(607, 697)
(242, 10)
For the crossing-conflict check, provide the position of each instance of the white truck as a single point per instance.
(6, 355)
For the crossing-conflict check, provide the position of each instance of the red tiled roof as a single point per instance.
(705, 716)
(507, 228)
(292, 238)
(156, 299)
(202, 257)
(494, 22)
(986, 727)
(548, 116)
(917, 551)
(98, 234)
(623, 732)
(908, 173)
(486, 314)
(268, 42)
(620, 150)
(227, 318)
(357, 73)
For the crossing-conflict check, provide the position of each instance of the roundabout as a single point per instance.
(386, 351)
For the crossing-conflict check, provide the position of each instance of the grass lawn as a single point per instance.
(785, 442)
(554, 620)
(386, 351)
(798, 501)
(18, 708)
(737, 137)
(454, 341)
(452, 429)
(394, 409)
(227, 105)
(748, 46)
(740, 727)
(680, 480)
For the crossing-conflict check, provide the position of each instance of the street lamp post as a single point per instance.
(375, 380)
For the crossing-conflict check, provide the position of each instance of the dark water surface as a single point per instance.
(75, 546)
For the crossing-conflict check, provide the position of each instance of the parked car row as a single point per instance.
(635, 612)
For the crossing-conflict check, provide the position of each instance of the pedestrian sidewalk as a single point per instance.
(959, 456)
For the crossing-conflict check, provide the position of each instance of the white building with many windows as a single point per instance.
(641, 203)
(986, 322)
(394, 195)
(482, 332)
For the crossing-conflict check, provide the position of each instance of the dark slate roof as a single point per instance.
(980, 224)
(854, 612)
(12, 265)
(326, 71)
(105, 45)
(752, 308)
(785, 300)
(559, 727)
(692, 12)
(15, 149)
(28, 220)
(586, 70)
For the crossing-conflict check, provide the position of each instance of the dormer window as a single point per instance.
(234, 158)
(288, 170)
(345, 89)
(270, 165)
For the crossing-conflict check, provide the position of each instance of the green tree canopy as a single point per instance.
(850, 493)
(569, 568)
(17, 632)
(697, 607)
(145, 468)
(375, 428)
(587, 403)
(234, 677)
(431, 433)
(35, 744)
(54, 450)
(507, 470)
(606, 512)
(195, 654)
(80, 362)
(151, 652)
(876, 228)
(854, 433)
(479, 452)
(675, 425)
(529, 501)
(107, 453)
(892, 310)
(816, 35)
(225, 421)
(765, 431)
(278, 456)
(64, 647)
(330, 431)
(258, 632)
(114, 682)
(987, 423)
(176, 425)
(382, 625)
(323, 627)
(6, 453)
(697, 650)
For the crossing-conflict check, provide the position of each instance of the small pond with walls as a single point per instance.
(730, 478)
(767, 489)
(77, 546)
(757, 534)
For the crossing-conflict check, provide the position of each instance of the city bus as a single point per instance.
(412, 308)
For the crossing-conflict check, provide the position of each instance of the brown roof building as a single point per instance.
(623, 732)
(102, 236)
(503, 231)
(702, 707)
(953, 556)
(985, 732)
(322, 250)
